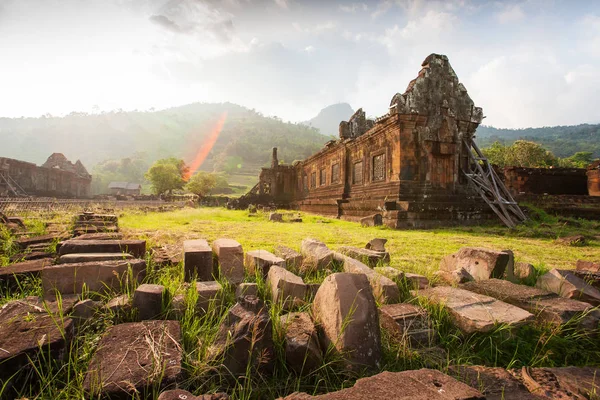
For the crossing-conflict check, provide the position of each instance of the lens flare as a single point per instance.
(207, 146)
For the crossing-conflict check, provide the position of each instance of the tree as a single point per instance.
(167, 175)
(521, 153)
(496, 154)
(581, 159)
(201, 183)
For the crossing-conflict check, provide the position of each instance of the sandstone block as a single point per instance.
(523, 271)
(473, 312)
(407, 322)
(480, 263)
(135, 247)
(275, 217)
(302, 351)
(370, 257)
(178, 394)
(262, 260)
(576, 240)
(454, 277)
(416, 281)
(384, 289)
(347, 313)
(101, 236)
(25, 243)
(560, 383)
(588, 266)
(89, 257)
(377, 244)
(394, 274)
(494, 383)
(12, 274)
(84, 310)
(208, 292)
(568, 285)
(230, 259)
(99, 276)
(246, 289)
(372, 220)
(292, 258)
(316, 255)
(148, 299)
(34, 255)
(286, 287)
(148, 354)
(118, 304)
(197, 260)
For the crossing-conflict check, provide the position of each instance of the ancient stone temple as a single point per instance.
(57, 177)
(409, 164)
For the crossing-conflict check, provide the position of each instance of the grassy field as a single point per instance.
(411, 251)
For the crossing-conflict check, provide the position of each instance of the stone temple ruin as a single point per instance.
(417, 165)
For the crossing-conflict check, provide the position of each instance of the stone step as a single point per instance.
(546, 306)
(472, 312)
(24, 243)
(88, 257)
(135, 247)
(34, 255)
(101, 236)
(14, 273)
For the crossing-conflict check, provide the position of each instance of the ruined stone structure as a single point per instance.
(57, 177)
(593, 175)
(559, 181)
(405, 165)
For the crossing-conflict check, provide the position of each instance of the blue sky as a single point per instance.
(527, 63)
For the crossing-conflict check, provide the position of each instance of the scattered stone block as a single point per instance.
(101, 236)
(422, 384)
(370, 257)
(275, 217)
(384, 289)
(84, 310)
(14, 273)
(523, 271)
(472, 312)
(568, 285)
(90, 257)
(208, 292)
(588, 266)
(35, 255)
(245, 339)
(118, 304)
(168, 255)
(372, 220)
(97, 276)
(30, 326)
(560, 383)
(494, 383)
(454, 277)
(148, 299)
(134, 358)
(589, 277)
(197, 260)
(25, 243)
(286, 287)
(302, 351)
(346, 311)
(480, 263)
(312, 289)
(292, 258)
(178, 394)
(416, 281)
(316, 255)
(377, 244)
(546, 306)
(407, 322)
(262, 260)
(246, 289)
(135, 247)
(394, 274)
(230, 259)
(576, 240)
(17, 221)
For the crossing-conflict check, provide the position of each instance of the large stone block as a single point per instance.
(347, 313)
(89, 257)
(98, 276)
(407, 322)
(14, 273)
(316, 255)
(132, 359)
(197, 260)
(377, 244)
(286, 287)
(372, 220)
(494, 383)
(472, 312)
(208, 292)
(101, 236)
(546, 306)
(560, 383)
(135, 247)
(302, 350)
(422, 384)
(384, 289)
(568, 285)
(591, 266)
(370, 257)
(179, 394)
(230, 259)
(292, 258)
(480, 263)
(148, 300)
(262, 260)
(25, 243)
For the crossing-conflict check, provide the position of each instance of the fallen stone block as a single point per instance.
(16, 220)
(25, 243)
(287, 288)
(148, 300)
(101, 236)
(14, 273)
(546, 306)
(84, 310)
(589, 277)
(316, 255)
(422, 384)
(90, 216)
(246, 289)
(560, 383)
(523, 271)
(384, 289)
(416, 281)
(407, 322)
(262, 260)
(494, 383)
(576, 240)
(292, 258)
(132, 359)
(229, 259)
(454, 277)
(377, 244)
(244, 340)
(90, 257)
(472, 312)
(275, 217)
(370, 257)
(168, 255)
(35, 255)
(118, 304)
(302, 350)
(197, 260)
(208, 292)
(135, 247)
(178, 394)
(588, 266)
(346, 312)
(372, 220)
(97, 276)
(30, 327)
(394, 274)
(480, 263)
(568, 285)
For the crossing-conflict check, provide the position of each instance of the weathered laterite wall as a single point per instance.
(568, 181)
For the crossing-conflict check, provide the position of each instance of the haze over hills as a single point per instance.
(328, 119)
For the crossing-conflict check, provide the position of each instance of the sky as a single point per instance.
(527, 63)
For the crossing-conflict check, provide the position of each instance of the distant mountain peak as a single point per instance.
(328, 119)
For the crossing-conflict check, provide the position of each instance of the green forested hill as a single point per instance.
(244, 144)
(563, 141)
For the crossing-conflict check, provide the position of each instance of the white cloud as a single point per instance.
(381, 9)
(352, 8)
(282, 3)
(511, 13)
(315, 29)
(309, 49)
